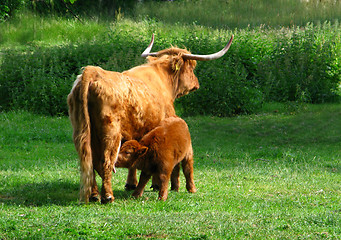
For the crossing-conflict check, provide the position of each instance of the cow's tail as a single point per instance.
(79, 115)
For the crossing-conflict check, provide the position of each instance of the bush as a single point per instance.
(262, 65)
(222, 92)
(39, 79)
(304, 66)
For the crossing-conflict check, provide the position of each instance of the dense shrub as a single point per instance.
(39, 79)
(262, 65)
(304, 66)
(226, 84)
(223, 91)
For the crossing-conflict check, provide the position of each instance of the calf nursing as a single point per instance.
(159, 154)
(107, 108)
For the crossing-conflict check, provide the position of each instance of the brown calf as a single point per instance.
(159, 154)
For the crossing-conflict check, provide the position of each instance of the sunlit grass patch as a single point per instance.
(30, 29)
(271, 175)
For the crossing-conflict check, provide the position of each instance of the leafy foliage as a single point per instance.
(46, 75)
(304, 66)
(297, 64)
(4, 10)
(8, 7)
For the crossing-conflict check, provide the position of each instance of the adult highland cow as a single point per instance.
(108, 107)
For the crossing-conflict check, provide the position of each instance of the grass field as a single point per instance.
(274, 175)
(241, 14)
(271, 175)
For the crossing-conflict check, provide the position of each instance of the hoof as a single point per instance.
(107, 200)
(155, 187)
(162, 198)
(95, 198)
(136, 195)
(129, 187)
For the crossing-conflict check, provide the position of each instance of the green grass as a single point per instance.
(241, 14)
(274, 175)
(27, 29)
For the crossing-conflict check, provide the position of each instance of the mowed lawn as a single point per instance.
(273, 175)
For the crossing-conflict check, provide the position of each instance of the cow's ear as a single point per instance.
(142, 151)
(177, 63)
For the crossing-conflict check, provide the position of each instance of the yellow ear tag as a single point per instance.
(177, 67)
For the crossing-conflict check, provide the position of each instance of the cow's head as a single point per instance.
(180, 64)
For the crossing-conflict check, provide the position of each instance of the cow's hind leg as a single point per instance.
(94, 197)
(98, 166)
(110, 155)
(110, 145)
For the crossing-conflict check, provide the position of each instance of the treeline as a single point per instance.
(263, 65)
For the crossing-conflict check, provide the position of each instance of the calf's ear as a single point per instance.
(142, 151)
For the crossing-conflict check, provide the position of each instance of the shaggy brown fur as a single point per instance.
(107, 107)
(158, 154)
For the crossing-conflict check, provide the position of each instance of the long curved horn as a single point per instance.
(210, 56)
(147, 52)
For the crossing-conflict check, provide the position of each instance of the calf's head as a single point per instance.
(130, 152)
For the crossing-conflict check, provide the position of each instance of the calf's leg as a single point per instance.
(187, 167)
(175, 178)
(144, 178)
(164, 180)
(155, 183)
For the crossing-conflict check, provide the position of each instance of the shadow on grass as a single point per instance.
(61, 193)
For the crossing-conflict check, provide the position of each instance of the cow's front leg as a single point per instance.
(131, 179)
